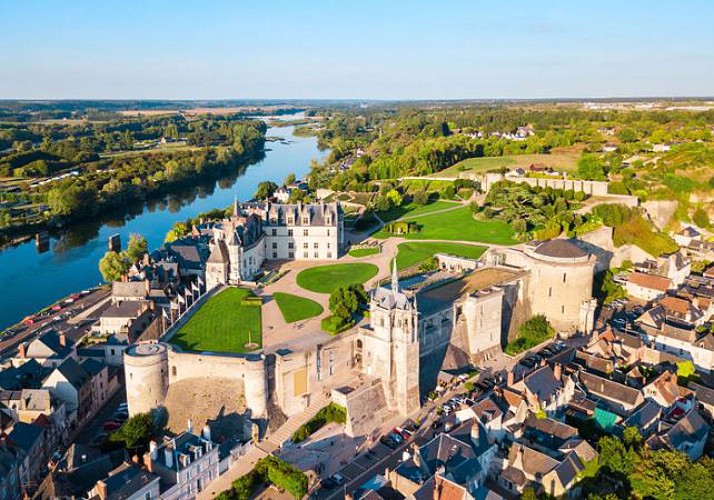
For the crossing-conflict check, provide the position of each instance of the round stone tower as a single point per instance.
(146, 374)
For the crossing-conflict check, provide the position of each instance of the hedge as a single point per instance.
(330, 413)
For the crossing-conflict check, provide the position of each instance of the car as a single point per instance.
(437, 424)
(389, 442)
(328, 484)
(111, 425)
(402, 432)
(339, 479)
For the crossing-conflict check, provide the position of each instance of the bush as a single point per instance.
(269, 469)
(336, 324)
(530, 334)
(330, 413)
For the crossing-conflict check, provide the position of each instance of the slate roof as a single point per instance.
(50, 340)
(691, 428)
(136, 289)
(609, 389)
(458, 458)
(542, 383)
(25, 436)
(645, 415)
(74, 373)
(126, 309)
(561, 249)
(126, 480)
(92, 366)
(703, 394)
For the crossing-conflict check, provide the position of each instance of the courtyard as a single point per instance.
(324, 279)
(227, 322)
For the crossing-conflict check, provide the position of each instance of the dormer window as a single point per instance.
(305, 220)
(290, 220)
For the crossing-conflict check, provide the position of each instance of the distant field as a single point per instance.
(458, 225)
(413, 253)
(562, 160)
(222, 324)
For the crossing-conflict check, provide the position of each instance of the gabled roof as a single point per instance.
(703, 394)
(690, 429)
(126, 480)
(457, 457)
(650, 281)
(92, 366)
(609, 389)
(73, 373)
(136, 289)
(25, 436)
(542, 383)
(48, 345)
(645, 415)
(438, 487)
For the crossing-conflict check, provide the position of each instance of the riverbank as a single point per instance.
(70, 259)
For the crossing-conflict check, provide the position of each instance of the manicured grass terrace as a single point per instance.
(223, 324)
(413, 253)
(296, 308)
(324, 279)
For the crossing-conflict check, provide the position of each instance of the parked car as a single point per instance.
(389, 442)
(110, 425)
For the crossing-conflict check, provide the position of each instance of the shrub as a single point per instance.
(268, 469)
(330, 413)
(336, 324)
(530, 334)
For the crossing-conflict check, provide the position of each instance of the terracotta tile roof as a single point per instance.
(650, 281)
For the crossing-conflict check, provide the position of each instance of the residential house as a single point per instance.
(70, 383)
(705, 400)
(186, 464)
(30, 439)
(645, 418)
(663, 389)
(123, 291)
(10, 483)
(613, 396)
(49, 349)
(686, 235)
(440, 488)
(545, 389)
(129, 482)
(688, 435)
(647, 286)
(126, 320)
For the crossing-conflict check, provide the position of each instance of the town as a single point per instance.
(275, 338)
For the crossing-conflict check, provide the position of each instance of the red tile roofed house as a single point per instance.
(663, 389)
(647, 286)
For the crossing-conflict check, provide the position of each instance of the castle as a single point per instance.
(260, 231)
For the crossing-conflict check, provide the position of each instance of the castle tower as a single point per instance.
(391, 345)
(146, 374)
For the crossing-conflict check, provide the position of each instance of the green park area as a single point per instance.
(228, 322)
(296, 308)
(457, 225)
(413, 253)
(562, 160)
(359, 253)
(324, 279)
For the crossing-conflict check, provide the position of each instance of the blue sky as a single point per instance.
(365, 49)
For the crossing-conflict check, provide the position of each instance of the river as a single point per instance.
(32, 280)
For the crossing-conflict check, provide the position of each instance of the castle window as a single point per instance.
(305, 220)
(173, 370)
(304, 255)
(275, 255)
(564, 274)
(275, 244)
(290, 232)
(304, 244)
(290, 220)
(550, 291)
(562, 309)
(328, 243)
(304, 232)
(329, 255)
(274, 232)
(317, 255)
(291, 244)
(316, 245)
(291, 255)
(328, 231)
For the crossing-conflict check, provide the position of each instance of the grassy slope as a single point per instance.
(565, 160)
(324, 279)
(296, 308)
(412, 209)
(414, 252)
(459, 225)
(222, 324)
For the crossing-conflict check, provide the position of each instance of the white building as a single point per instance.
(257, 232)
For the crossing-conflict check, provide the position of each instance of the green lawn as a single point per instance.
(413, 253)
(296, 308)
(222, 324)
(324, 279)
(412, 209)
(358, 253)
(561, 160)
(458, 225)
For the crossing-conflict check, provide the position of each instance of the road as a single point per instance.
(57, 320)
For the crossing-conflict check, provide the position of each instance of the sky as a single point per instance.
(348, 49)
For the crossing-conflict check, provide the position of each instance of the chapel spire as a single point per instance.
(395, 277)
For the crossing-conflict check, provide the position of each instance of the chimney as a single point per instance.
(63, 339)
(510, 378)
(153, 450)
(169, 457)
(206, 432)
(102, 489)
(147, 285)
(542, 362)
(475, 431)
(558, 371)
(415, 455)
(135, 459)
(23, 350)
(189, 426)
(148, 462)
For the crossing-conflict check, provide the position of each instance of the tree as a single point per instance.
(289, 179)
(701, 218)
(265, 190)
(177, 231)
(591, 168)
(632, 438)
(421, 197)
(113, 266)
(137, 431)
(615, 457)
(394, 197)
(136, 248)
(346, 300)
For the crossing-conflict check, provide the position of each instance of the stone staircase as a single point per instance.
(285, 431)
